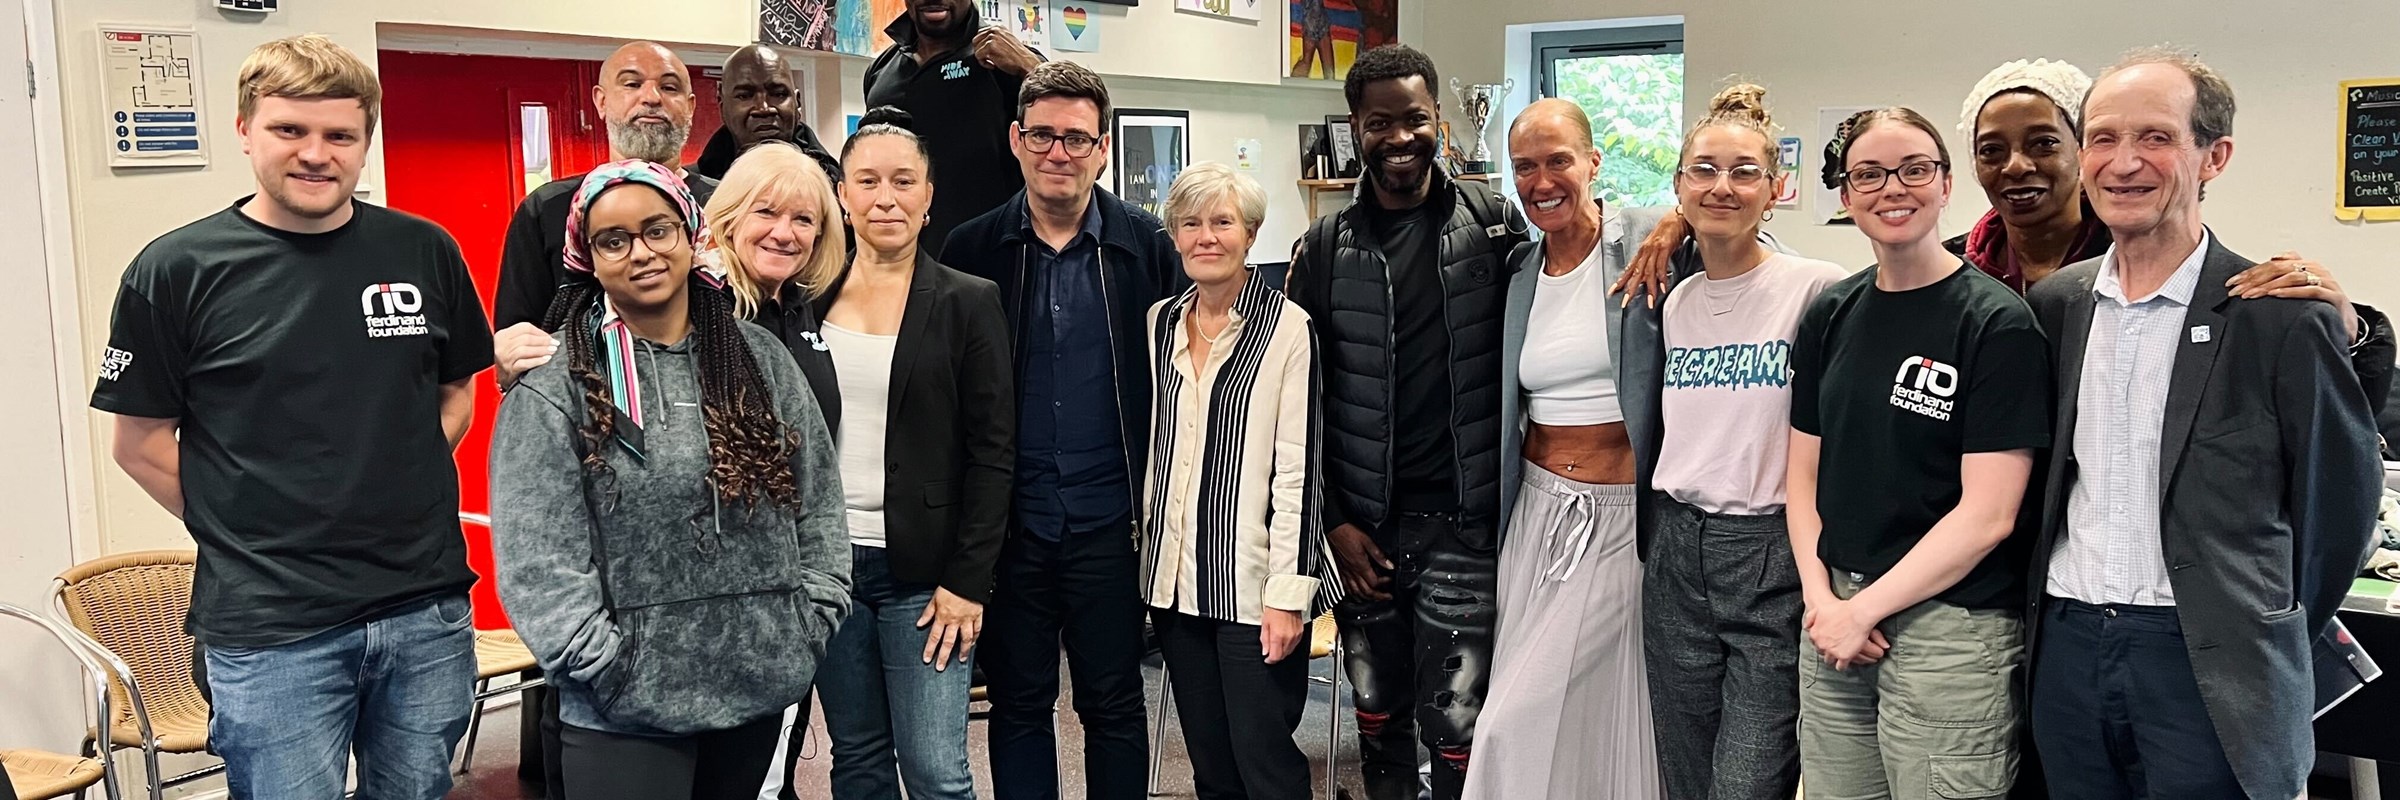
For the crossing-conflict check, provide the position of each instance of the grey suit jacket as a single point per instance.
(2271, 476)
(1637, 352)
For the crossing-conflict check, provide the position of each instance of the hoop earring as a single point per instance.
(1770, 216)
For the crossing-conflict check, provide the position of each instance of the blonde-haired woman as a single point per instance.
(1230, 549)
(1568, 713)
(1721, 591)
(780, 245)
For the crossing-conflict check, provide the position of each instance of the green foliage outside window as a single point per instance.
(1636, 105)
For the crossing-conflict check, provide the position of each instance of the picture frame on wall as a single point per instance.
(1148, 148)
(1342, 147)
(1314, 163)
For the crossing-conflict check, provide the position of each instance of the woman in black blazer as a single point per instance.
(927, 442)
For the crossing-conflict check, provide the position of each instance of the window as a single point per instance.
(1630, 80)
(533, 132)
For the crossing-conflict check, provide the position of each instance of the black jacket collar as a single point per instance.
(718, 155)
(1116, 223)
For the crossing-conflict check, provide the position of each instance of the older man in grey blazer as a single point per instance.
(2214, 483)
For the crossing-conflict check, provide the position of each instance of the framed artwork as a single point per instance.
(810, 24)
(1327, 35)
(1148, 148)
(1342, 148)
(1312, 152)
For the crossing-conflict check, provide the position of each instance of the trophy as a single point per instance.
(1475, 101)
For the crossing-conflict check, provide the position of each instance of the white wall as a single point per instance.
(1225, 72)
(42, 706)
(2284, 59)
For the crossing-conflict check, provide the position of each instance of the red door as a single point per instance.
(455, 148)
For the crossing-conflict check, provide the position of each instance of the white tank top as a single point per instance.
(1565, 367)
(862, 365)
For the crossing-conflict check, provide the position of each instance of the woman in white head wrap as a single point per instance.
(2023, 125)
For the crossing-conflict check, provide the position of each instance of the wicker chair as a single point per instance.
(1323, 642)
(133, 605)
(37, 775)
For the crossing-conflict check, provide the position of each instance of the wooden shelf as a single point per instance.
(1328, 182)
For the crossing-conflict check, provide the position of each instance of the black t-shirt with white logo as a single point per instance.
(1899, 386)
(305, 373)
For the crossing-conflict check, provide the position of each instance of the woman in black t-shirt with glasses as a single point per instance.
(1920, 389)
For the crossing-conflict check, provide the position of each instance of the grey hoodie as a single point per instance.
(720, 612)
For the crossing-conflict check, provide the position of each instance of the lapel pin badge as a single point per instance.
(2199, 334)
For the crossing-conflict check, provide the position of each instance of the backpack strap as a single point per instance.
(1486, 207)
(1313, 259)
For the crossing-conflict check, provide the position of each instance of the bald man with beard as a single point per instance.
(645, 97)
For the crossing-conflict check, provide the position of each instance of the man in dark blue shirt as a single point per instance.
(1078, 270)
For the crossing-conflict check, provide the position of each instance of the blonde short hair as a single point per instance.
(308, 67)
(775, 172)
(1203, 185)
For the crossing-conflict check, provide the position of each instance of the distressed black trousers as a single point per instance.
(1419, 662)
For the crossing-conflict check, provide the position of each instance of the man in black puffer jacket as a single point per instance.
(1407, 291)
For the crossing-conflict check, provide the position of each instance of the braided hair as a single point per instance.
(749, 449)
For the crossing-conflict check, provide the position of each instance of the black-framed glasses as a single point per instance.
(1911, 173)
(1040, 141)
(616, 244)
(1703, 175)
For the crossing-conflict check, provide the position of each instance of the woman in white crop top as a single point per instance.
(1567, 713)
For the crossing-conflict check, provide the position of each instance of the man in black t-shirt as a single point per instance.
(289, 376)
(959, 81)
(1407, 291)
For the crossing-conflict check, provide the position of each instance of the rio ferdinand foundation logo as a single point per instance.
(391, 310)
(1924, 385)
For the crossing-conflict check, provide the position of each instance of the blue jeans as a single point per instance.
(398, 688)
(881, 698)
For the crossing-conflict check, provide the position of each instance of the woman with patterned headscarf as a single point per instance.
(667, 514)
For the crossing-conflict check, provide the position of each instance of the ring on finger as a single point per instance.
(2313, 280)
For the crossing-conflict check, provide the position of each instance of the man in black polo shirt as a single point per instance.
(289, 376)
(645, 98)
(1408, 293)
(959, 81)
(759, 102)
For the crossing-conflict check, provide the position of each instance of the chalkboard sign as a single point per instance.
(2370, 182)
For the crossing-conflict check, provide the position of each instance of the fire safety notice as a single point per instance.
(154, 115)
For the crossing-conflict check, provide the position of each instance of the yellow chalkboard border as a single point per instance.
(2341, 130)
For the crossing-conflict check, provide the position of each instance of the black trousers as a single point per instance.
(1422, 659)
(1080, 593)
(1238, 711)
(2117, 713)
(717, 765)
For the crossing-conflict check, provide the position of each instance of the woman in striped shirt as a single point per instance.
(1230, 549)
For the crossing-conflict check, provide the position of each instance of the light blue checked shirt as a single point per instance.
(2111, 552)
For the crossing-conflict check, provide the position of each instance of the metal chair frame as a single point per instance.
(97, 665)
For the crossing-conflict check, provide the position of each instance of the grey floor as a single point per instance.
(494, 776)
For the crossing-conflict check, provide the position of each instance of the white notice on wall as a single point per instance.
(153, 103)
